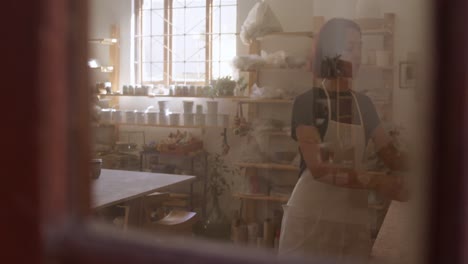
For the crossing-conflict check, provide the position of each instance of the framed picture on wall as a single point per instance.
(407, 74)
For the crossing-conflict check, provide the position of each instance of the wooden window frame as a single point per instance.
(46, 184)
(168, 59)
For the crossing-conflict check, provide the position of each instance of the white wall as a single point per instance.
(103, 14)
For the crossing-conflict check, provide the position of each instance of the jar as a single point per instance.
(178, 91)
(192, 91)
(131, 90)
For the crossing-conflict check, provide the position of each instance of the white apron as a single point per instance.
(324, 220)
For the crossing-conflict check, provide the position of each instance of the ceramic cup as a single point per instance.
(130, 117)
(117, 116)
(174, 119)
(188, 107)
(163, 119)
(212, 107)
(152, 118)
(199, 109)
(200, 120)
(188, 119)
(140, 117)
(162, 106)
(212, 120)
(106, 115)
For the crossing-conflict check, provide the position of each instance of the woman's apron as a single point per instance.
(325, 220)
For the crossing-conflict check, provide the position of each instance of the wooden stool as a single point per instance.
(176, 222)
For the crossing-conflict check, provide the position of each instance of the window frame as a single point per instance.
(43, 226)
(168, 58)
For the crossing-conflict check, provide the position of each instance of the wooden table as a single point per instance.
(118, 186)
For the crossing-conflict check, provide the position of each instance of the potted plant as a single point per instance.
(225, 86)
(217, 225)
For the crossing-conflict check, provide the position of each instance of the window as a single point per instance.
(184, 41)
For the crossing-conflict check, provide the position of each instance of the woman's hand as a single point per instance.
(392, 187)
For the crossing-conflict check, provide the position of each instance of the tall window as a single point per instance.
(184, 41)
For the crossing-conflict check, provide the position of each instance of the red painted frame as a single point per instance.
(45, 96)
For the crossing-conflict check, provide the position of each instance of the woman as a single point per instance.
(327, 214)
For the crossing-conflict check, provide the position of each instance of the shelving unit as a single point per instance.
(268, 166)
(264, 101)
(252, 201)
(172, 96)
(161, 126)
(261, 197)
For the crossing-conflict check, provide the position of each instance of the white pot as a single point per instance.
(140, 117)
(152, 118)
(163, 119)
(162, 106)
(212, 120)
(223, 120)
(200, 120)
(212, 107)
(106, 115)
(199, 109)
(174, 119)
(130, 117)
(188, 119)
(117, 116)
(188, 107)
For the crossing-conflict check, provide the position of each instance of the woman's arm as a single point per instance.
(309, 143)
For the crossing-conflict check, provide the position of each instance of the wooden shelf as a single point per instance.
(173, 96)
(307, 34)
(265, 101)
(268, 166)
(189, 154)
(104, 41)
(278, 70)
(370, 32)
(161, 126)
(385, 68)
(279, 133)
(261, 197)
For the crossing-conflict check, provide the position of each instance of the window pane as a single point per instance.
(146, 25)
(224, 2)
(146, 71)
(222, 69)
(216, 44)
(197, 20)
(157, 72)
(157, 22)
(157, 49)
(228, 47)
(157, 4)
(195, 48)
(146, 4)
(178, 21)
(178, 4)
(178, 48)
(146, 52)
(228, 19)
